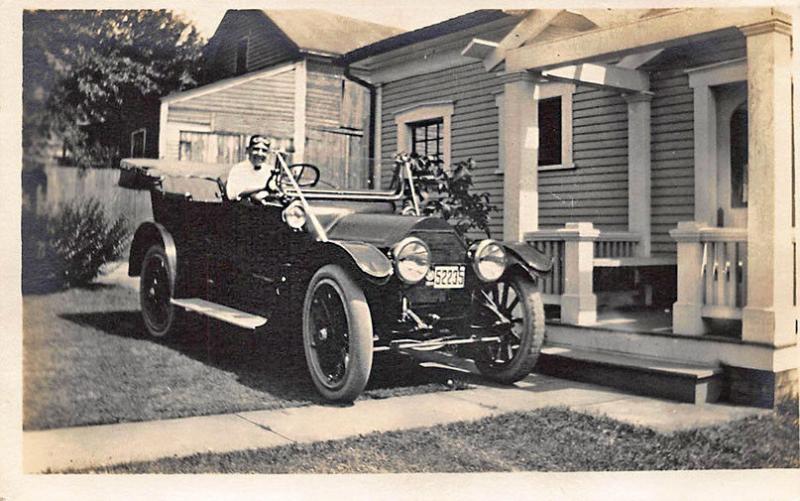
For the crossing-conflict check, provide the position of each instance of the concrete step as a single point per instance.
(221, 312)
(673, 381)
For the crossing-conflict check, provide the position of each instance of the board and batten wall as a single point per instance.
(264, 105)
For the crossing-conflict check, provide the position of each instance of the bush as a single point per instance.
(68, 248)
(447, 194)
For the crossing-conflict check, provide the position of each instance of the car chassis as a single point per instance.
(342, 266)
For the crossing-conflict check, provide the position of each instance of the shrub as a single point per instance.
(68, 248)
(448, 194)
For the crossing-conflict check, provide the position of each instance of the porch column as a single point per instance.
(639, 170)
(687, 312)
(705, 156)
(521, 155)
(768, 315)
(578, 302)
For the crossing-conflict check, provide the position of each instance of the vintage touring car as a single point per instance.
(344, 267)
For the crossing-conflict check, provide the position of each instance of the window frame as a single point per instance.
(438, 140)
(143, 131)
(566, 92)
(405, 119)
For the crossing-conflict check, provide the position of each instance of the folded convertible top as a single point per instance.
(186, 178)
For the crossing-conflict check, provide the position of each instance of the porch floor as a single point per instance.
(648, 319)
(629, 319)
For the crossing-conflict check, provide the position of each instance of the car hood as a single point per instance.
(381, 230)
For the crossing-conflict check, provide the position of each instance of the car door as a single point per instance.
(256, 250)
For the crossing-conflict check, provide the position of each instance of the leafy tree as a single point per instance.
(100, 67)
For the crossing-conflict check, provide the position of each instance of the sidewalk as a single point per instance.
(88, 446)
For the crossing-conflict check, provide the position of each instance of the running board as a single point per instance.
(220, 312)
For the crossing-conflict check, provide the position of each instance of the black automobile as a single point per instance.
(345, 267)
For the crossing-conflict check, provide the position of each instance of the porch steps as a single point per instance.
(672, 381)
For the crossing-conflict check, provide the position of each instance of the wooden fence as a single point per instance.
(64, 185)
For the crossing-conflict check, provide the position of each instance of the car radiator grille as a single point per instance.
(445, 246)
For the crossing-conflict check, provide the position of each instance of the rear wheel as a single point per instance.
(513, 358)
(156, 289)
(337, 334)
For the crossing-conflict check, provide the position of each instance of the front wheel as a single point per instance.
(337, 334)
(514, 356)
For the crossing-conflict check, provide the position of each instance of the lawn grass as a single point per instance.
(87, 359)
(551, 439)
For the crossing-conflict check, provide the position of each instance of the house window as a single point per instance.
(550, 132)
(241, 56)
(138, 142)
(425, 129)
(426, 137)
(554, 103)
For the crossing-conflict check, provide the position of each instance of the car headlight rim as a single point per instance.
(294, 215)
(412, 259)
(488, 260)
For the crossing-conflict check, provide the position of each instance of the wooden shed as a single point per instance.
(272, 73)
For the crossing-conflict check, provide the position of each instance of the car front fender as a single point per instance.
(366, 257)
(528, 258)
(148, 234)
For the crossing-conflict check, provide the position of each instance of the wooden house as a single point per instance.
(272, 73)
(646, 150)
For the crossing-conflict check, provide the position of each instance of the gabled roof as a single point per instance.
(318, 31)
(437, 30)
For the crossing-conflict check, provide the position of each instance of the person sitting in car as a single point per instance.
(248, 178)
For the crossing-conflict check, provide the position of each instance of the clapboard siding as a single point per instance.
(474, 123)
(672, 167)
(267, 45)
(597, 189)
(264, 106)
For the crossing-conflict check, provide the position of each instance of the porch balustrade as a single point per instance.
(576, 250)
(712, 275)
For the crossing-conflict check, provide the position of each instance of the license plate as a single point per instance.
(446, 277)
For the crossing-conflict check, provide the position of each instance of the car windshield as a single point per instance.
(339, 177)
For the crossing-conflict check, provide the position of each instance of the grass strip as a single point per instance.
(551, 439)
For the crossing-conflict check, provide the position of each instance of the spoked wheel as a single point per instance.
(155, 293)
(337, 334)
(514, 356)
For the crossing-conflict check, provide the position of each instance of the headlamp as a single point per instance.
(488, 260)
(412, 259)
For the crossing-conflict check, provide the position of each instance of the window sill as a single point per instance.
(572, 166)
(569, 166)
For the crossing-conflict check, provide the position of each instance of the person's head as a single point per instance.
(257, 150)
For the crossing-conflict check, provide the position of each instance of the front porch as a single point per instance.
(710, 211)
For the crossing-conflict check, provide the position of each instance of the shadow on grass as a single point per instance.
(269, 362)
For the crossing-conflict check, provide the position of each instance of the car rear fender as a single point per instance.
(366, 257)
(147, 235)
(526, 257)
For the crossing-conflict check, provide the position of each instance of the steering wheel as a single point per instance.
(299, 171)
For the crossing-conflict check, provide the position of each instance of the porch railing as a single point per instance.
(615, 245)
(712, 275)
(577, 249)
(552, 284)
(724, 272)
